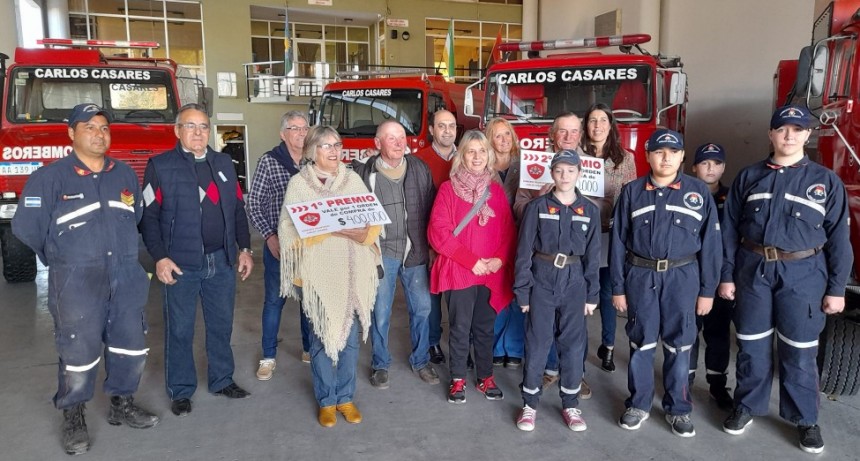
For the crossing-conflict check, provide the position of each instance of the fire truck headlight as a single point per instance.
(9, 195)
(7, 211)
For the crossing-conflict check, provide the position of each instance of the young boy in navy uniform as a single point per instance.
(787, 260)
(665, 254)
(80, 214)
(556, 284)
(709, 165)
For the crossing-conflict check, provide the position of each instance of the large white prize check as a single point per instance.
(535, 172)
(332, 214)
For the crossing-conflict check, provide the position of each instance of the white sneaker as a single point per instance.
(526, 419)
(267, 366)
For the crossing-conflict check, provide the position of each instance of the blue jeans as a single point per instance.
(509, 338)
(273, 304)
(435, 319)
(334, 385)
(607, 312)
(215, 284)
(416, 285)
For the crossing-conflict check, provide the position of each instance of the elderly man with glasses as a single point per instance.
(195, 228)
(265, 198)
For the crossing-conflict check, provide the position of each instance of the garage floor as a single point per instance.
(411, 420)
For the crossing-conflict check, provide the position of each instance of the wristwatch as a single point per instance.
(247, 250)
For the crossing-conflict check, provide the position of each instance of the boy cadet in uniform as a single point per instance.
(556, 285)
(709, 166)
(80, 214)
(665, 241)
(787, 260)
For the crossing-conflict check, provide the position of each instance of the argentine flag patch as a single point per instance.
(32, 202)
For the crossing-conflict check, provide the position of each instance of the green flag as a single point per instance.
(449, 49)
(288, 50)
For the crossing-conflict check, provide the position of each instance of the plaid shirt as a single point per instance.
(267, 194)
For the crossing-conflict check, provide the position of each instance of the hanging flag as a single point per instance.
(449, 49)
(288, 49)
(496, 53)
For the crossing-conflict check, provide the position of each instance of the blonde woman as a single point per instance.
(336, 306)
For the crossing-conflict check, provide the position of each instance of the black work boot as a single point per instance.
(76, 440)
(124, 411)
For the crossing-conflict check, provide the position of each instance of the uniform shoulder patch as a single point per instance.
(553, 210)
(32, 202)
(817, 193)
(693, 200)
(127, 197)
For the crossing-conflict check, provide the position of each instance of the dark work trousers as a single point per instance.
(556, 316)
(98, 309)
(469, 311)
(716, 331)
(661, 305)
(779, 299)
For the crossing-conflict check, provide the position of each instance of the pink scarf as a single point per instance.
(470, 187)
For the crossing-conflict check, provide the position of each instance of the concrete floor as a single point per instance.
(411, 420)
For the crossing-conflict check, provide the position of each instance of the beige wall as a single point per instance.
(8, 28)
(730, 49)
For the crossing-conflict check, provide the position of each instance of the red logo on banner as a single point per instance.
(535, 170)
(311, 219)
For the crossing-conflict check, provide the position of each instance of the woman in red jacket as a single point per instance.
(472, 230)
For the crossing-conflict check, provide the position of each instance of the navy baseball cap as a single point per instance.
(84, 112)
(566, 156)
(710, 151)
(665, 138)
(791, 115)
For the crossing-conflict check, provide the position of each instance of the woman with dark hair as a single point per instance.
(472, 230)
(603, 141)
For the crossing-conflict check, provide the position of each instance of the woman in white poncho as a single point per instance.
(336, 274)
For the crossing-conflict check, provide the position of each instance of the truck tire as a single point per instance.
(839, 356)
(19, 261)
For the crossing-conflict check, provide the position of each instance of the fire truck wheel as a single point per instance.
(19, 261)
(839, 354)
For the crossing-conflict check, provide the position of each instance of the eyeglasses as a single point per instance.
(329, 146)
(190, 126)
(298, 129)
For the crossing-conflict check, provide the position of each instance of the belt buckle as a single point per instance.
(662, 265)
(563, 262)
(770, 254)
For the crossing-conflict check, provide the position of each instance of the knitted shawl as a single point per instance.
(338, 275)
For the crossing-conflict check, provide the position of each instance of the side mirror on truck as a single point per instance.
(469, 103)
(677, 88)
(818, 70)
(206, 98)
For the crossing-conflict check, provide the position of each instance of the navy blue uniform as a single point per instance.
(83, 226)
(715, 327)
(794, 208)
(556, 295)
(677, 228)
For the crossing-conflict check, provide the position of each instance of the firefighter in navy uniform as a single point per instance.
(556, 285)
(665, 244)
(787, 261)
(709, 164)
(80, 214)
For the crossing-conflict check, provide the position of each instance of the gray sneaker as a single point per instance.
(682, 425)
(737, 422)
(379, 379)
(632, 419)
(428, 374)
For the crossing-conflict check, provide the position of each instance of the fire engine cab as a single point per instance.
(644, 91)
(827, 81)
(355, 107)
(41, 87)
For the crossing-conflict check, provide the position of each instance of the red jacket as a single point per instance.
(452, 269)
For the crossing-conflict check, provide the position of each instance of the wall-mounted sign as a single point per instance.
(320, 2)
(391, 22)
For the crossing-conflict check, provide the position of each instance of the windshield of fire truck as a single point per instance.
(357, 112)
(544, 93)
(40, 95)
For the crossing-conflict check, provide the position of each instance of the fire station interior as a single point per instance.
(730, 50)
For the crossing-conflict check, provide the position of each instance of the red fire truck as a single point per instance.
(40, 88)
(827, 81)
(356, 107)
(644, 91)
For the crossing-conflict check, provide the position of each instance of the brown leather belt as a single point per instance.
(558, 260)
(659, 265)
(775, 254)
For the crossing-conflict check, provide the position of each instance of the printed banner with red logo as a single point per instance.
(333, 214)
(535, 172)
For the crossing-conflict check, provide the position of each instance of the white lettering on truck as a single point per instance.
(35, 152)
(103, 74)
(568, 75)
